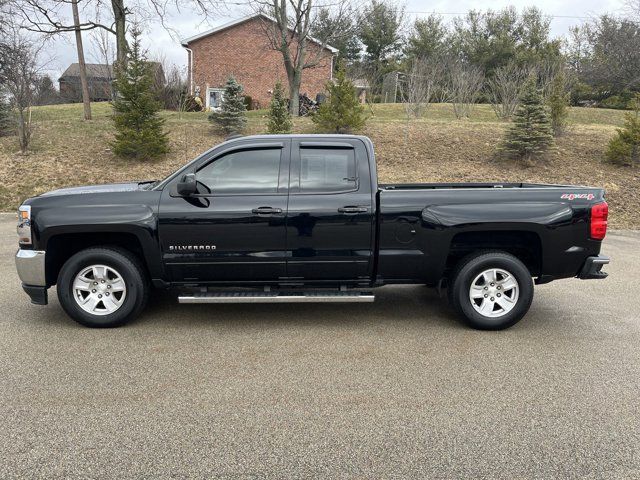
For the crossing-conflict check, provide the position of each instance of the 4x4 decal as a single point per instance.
(576, 196)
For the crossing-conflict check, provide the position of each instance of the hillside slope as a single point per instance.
(436, 148)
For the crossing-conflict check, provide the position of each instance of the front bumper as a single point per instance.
(31, 270)
(592, 268)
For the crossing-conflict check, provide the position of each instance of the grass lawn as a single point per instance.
(436, 148)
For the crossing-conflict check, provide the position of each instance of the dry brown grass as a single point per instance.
(436, 148)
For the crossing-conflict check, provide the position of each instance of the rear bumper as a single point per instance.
(31, 270)
(592, 268)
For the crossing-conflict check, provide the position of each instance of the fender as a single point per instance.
(138, 220)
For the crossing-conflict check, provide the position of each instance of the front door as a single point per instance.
(330, 217)
(233, 229)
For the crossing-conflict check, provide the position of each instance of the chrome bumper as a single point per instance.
(30, 266)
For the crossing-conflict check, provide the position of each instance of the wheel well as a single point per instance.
(526, 246)
(61, 247)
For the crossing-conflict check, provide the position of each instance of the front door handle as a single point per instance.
(353, 209)
(266, 210)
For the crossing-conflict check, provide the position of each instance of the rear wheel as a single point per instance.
(491, 290)
(102, 287)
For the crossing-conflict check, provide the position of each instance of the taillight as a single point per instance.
(599, 215)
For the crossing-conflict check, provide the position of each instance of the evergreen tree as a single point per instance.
(559, 104)
(624, 148)
(279, 116)
(342, 112)
(6, 119)
(531, 133)
(232, 117)
(140, 133)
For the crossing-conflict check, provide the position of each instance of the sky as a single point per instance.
(161, 43)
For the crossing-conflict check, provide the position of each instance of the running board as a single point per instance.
(271, 297)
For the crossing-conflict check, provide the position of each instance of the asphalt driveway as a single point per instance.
(397, 388)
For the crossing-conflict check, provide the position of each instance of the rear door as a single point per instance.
(330, 214)
(233, 230)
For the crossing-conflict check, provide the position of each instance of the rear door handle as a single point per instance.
(266, 210)
(351, 209)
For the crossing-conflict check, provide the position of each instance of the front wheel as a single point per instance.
(491, 290)
(102, 287)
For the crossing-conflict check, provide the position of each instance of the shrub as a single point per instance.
(279, 116)
(139, 129)
(232, 116)
(623, 101)
(248, 102)
(531, 133)
(342, 112)
(624, 148)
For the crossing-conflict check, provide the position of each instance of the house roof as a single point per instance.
(239, 21)
(99, 70)
(94, 70)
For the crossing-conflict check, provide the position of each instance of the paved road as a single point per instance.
(393, 389)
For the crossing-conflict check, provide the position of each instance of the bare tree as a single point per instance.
(50, 17)
(632, 8)
(505, 87)
(82, 67)
(288, 25)
(19, 75)
(421, 84)
(465, 83)
(103, 52)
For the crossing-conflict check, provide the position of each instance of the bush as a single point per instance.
(279, 116)
(342, 112)
(232, 117)
(139, 128)
(248, 102)
(623, 101)
(624, 148)
(531, 133)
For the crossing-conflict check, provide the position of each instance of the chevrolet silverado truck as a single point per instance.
(302, 218)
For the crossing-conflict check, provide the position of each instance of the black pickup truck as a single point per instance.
(301, 218)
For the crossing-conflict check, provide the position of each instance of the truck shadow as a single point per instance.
(393, 305)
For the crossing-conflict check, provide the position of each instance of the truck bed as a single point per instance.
(435, 186)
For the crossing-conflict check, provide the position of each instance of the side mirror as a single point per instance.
(187, 185)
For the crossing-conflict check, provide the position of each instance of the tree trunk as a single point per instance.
(81, 63)
(120, 20)
(294, 97)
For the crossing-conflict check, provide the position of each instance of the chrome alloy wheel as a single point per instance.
(494, 293)
(99, 290)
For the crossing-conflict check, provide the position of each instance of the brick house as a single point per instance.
(242, 48)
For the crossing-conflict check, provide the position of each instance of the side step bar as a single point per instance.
(271, 297)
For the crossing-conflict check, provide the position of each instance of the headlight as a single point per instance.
(24, 225)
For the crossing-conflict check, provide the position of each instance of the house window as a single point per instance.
(214, 98)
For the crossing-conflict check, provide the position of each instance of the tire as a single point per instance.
(491, 305)
(111, 273)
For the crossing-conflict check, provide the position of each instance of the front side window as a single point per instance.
(327, 170)
(247, 171)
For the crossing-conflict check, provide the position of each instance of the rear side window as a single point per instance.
(247, 171)
(327, 170)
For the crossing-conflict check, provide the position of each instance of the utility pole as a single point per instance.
(81, 63)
